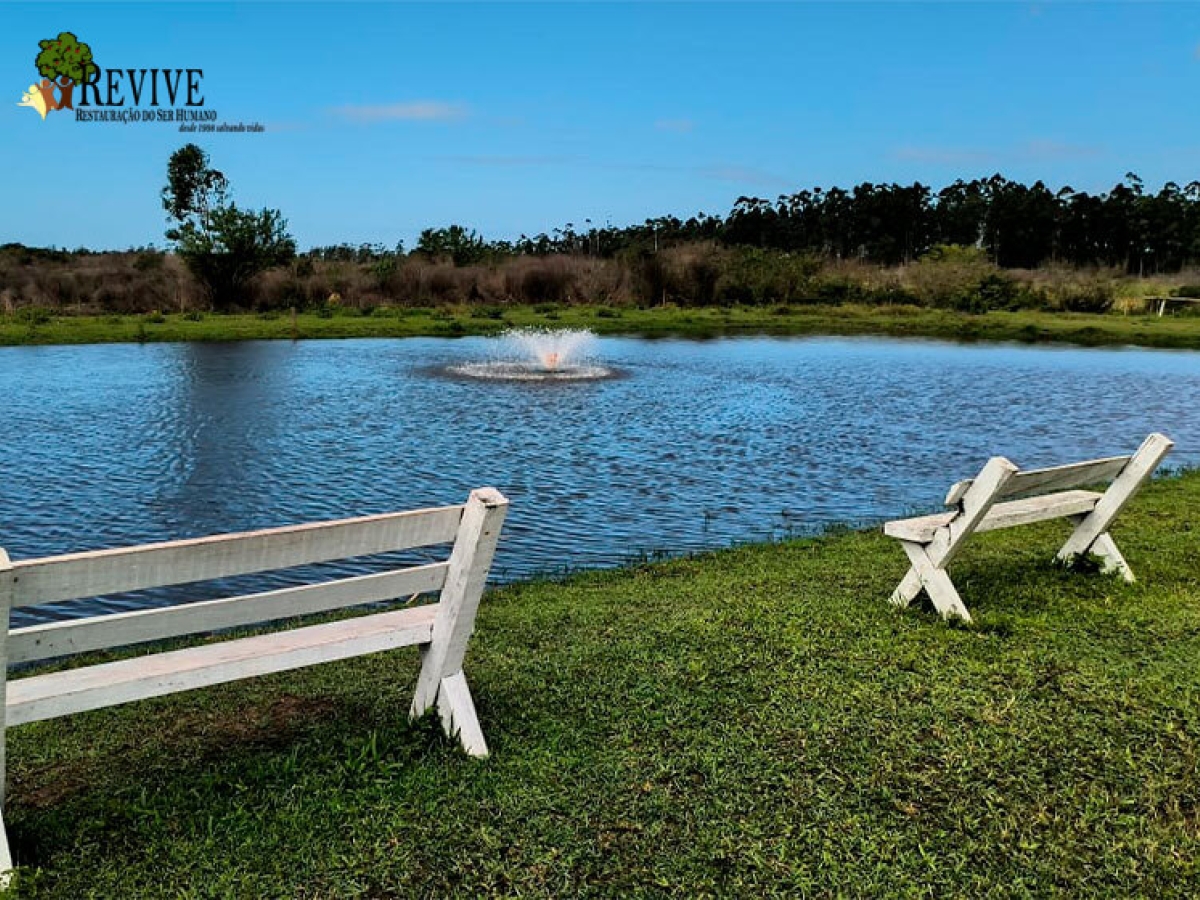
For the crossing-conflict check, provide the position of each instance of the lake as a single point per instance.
(696, 445)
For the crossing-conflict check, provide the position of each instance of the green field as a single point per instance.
(753, 722)
(1180, 331)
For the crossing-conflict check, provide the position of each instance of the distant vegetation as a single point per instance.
(975, 246)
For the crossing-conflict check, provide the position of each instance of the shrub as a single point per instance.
(443, 284)
(699, 279)
(961, 278)
(33, 315)
(542, 281)
(649, 278)
(149, 260)
(1095, 297)
(893, 294)
(836, 289)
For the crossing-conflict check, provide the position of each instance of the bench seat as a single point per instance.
(77, 690)
(921, 529)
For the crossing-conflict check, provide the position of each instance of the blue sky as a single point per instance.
(383, 119)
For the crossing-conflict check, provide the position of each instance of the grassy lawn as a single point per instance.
(753, 722)
(1182, 330)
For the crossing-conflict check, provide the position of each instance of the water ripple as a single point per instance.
(699, 444)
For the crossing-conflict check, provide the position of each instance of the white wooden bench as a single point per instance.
(1164, 302)
(1034, 495)
(440, 630)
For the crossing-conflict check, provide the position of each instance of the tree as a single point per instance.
(463, 246)
(240, 245)
(193, 189)
(64, 62)
(223, 246)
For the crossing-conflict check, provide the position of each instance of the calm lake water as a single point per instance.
(699, 444)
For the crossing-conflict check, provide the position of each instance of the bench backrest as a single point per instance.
(1036, 482)
(82, 575)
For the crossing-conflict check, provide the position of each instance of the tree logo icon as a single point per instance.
(63, 63)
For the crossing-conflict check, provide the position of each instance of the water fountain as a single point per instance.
(539, 354)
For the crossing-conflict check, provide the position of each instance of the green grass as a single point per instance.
(1181, 331)
(753, 722)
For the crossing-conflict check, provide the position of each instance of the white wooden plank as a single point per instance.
(78, 635)
(1046, 481)
(930, 556)
(908, 589)
(1001, 515)
(1064, 478)
(974, 505)
(1038, 509)
(936, 582)
(200, 559)
(474, 547)
(457, 711)
(5, 858)
(957, 490)
(78, 690)
(919, 529)
(1140, 467)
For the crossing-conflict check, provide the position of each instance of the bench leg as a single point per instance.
(456, 708)
(1090, 528)
(457, 711)
(936, 582)
(441, 681)
(6, 865)
(906, 592)
(1105, 548)
(929, 560)
(1114, 563)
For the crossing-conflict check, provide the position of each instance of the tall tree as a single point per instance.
(223, 246)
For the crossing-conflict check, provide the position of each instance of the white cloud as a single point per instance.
(412, 111)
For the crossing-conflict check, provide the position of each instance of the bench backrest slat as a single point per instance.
(1064, 478)
(100, 632)
(123, 569)
(1033, 482)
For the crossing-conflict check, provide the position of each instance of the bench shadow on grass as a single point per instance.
(1007, 593)
(108, 784)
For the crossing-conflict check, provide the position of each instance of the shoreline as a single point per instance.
(1181, 332)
